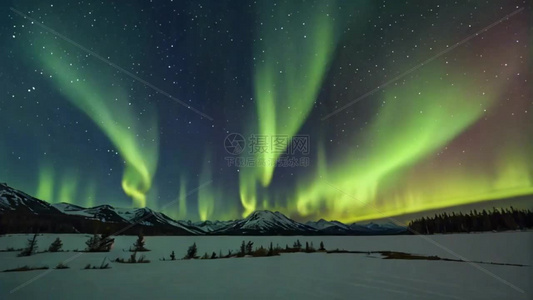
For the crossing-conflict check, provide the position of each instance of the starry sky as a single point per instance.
(383, 107)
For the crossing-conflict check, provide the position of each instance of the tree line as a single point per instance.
(475, 221)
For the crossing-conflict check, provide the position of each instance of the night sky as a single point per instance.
(392, 107)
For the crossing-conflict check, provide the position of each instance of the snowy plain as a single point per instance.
(288, 276)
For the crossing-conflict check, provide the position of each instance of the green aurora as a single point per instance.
(455, 131)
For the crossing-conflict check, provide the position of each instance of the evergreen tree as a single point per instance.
(191, 252)
(306, 247)
(214, 255)
(270, 250)
(106, 242)
(249, 249)
(243, 248)
(93, 243)
(139, 244)
(322, 246)
(495, 220)
(297, 245)
(172, 256)
(56, 245)
(102, 243)
(31, 248)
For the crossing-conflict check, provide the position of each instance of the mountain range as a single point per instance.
(20, 212)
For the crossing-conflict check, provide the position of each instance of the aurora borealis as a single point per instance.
(458, 130)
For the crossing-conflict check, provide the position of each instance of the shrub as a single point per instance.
(249, 246)
(56, 245)
(102, 243)
(260, 252)
(139, 244)
(191, 252)
(61, 266)
(309, 248)
(133, 259)
(321, 247)
(26, 268)
(31, 248)
(297, 245)
(102, 266)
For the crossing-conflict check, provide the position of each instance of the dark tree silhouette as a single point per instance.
(56, 245)
(31, 248)
(172, 256)
(495, 220)
(297, 245)
(243, 248)
(139, 243)
(93, 242)
(102, 243)
(249, 247)
(191, 252)
(322, 246)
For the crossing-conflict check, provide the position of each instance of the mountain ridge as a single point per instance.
(20, 212)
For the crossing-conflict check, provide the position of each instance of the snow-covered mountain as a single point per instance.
(12, 200)
(264, 222)
(103, 213)
(329, 227)
(141, 216)
(20, 212)
(210, 226)
(374, 229)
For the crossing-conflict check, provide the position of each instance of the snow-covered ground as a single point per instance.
(289, 276)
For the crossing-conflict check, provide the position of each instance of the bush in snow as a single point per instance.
(321, 247)
(260, 252)
(61, 266)
(139, 244)
(297, 245)
(249, 246)
(309, 248)
(103, 265)
(246, 248)
(102, 243)
(26, 268)
(191, 252)
(56, 245)
(133, 259)
(31, 248)
(243, 249)
(270, 250)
